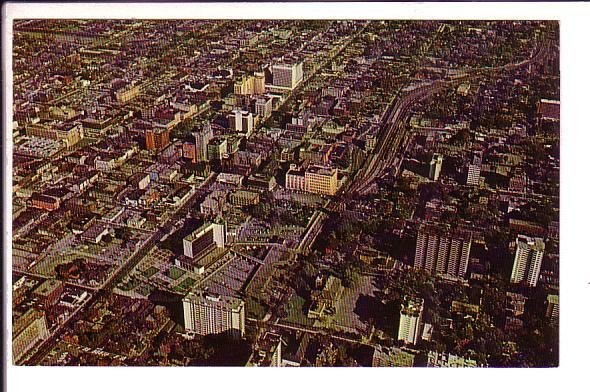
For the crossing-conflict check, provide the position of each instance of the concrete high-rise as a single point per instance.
(211, 314)
(287, 75)
(410, 320)
(527, 260)
(435, 167)
(202, 139)
(442, 250)
(202, 238)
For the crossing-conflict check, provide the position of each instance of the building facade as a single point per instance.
(410, 320)
(202, 139)
(200, 239)
(435, 167)
(287, 75)
(208, 314)
(440, 250)
(527, 260)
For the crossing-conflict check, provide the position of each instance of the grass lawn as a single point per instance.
(175, 272)
(148, 273)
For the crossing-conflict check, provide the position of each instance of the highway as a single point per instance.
(393, 130)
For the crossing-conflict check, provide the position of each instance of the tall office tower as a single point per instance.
(207, 236)
(208, 314)
(259, 87)
(157, 139)
(287, 75)
(442, 250)
(30, 328)
(410, 320)
(242, 122)
(435, 167)
(202, 138)
(527, 260)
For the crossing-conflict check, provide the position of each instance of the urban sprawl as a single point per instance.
(285, 193)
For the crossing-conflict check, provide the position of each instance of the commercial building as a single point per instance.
(295, 179)
(157, 139)
(216, 149)
(442, 250)
(208, 314)
(202, 139)
(322, 180)
(29, 329)
(242, 198)
(435, 167)
(527, 260)
(287, 75)
(410, 320)
(242, 122)
(204, 238)
(250, 84)
(436, 359)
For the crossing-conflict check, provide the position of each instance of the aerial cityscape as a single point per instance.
(285, 193)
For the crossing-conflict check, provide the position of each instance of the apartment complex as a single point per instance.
(440, 250)
(410, 320)
(527, 260)
(209, 314)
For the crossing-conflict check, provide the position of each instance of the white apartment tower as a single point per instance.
(435, 167)
(410, 320)
(208, 314)
(442, 250)
(527, 260)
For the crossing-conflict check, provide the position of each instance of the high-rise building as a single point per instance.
(474, 169)
(527, 260)
(435, 167)
(29, 329)
(208, 314)
(203, 238)
(473, 173)
(202, 139)
(287, 75)
(410, 320)
(552, 312)
(217, 149)
(442, 250)
(242, 122)
(157, 139)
